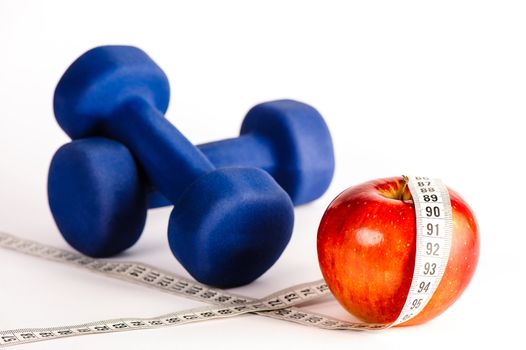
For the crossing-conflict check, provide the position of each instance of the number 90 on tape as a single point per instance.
(433, 241)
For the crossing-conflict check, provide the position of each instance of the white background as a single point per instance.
(426, 88)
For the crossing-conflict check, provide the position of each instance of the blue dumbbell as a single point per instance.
(286, 138)
(297, 152)
(230, 225)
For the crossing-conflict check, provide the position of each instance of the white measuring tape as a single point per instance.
(434, 228)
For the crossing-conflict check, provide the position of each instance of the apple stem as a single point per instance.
(401, 190)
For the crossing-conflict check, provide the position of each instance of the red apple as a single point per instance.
(366, 251)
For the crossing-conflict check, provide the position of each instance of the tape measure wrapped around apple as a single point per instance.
(367, 249)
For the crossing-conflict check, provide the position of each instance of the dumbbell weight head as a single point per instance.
(230, 220)
(97, 196)
(100, 81)
(301, 143)
(126, 108)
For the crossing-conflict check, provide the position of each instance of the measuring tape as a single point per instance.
(433, 232)
(434, 228)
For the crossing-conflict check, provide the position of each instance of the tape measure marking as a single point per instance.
(434, 228)
(433, 242)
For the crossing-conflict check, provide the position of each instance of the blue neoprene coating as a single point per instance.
(97, 196)
(222, 215)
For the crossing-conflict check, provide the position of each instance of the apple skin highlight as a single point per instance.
(366, 251)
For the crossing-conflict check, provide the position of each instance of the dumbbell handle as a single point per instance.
(246, 150)
(170, 161)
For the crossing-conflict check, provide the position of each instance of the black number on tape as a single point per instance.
(8, 338)
(430, 268)
(430, 198)
(432, 229)
(28, 335)
(427, 190)
(432, 248)
(423, 287)
(416, 304)
(433, 212)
